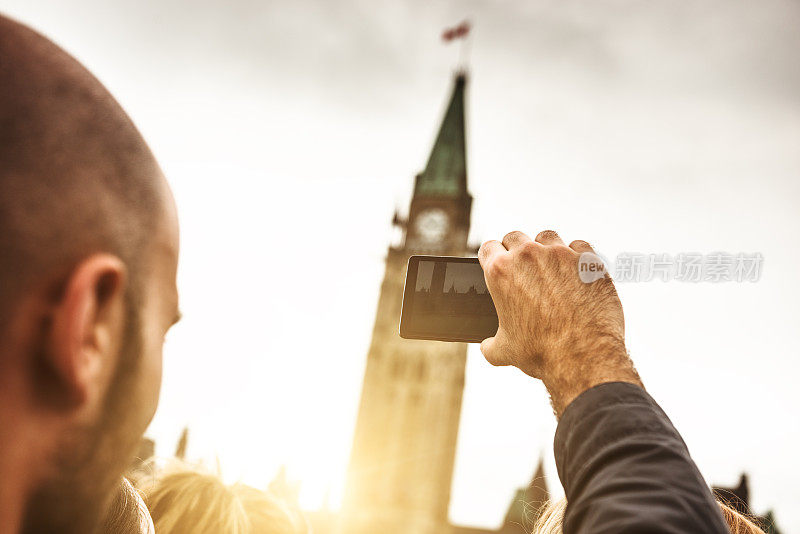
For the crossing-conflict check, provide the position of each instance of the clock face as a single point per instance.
(432, 225)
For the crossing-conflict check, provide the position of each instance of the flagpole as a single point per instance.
(462, 33)
(463, 52)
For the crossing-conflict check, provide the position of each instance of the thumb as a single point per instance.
(495, 349)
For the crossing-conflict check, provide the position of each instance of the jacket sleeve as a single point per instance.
(625, 468)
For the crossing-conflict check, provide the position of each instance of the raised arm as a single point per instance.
(623, 465)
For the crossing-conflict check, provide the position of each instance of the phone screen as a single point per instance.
(446, 299)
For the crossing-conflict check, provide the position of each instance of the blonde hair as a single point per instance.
(127, 513)
(552, 516)
(738, 523)
(187, 501)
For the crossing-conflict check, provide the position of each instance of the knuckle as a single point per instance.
(547, 235)
(483, 250)
(512, 234)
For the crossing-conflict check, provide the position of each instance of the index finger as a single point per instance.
(489, 250)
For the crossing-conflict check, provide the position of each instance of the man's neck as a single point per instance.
(19, 447)
(14, 485)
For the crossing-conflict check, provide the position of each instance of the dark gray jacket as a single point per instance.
(626, 469)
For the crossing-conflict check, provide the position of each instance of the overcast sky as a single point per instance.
(290, 132)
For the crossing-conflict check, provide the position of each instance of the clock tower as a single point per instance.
(438, 219)
(401, 465)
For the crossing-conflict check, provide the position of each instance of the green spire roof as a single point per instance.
(446, 171)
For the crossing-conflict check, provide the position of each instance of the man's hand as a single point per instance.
(553, 326)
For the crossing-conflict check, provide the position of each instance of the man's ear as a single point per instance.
(87, 326)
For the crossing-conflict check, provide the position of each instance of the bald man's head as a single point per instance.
(88, 256)
(75, 174)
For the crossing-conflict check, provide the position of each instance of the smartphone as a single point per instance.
(446, 299)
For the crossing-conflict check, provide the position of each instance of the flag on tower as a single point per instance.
(456, 32)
